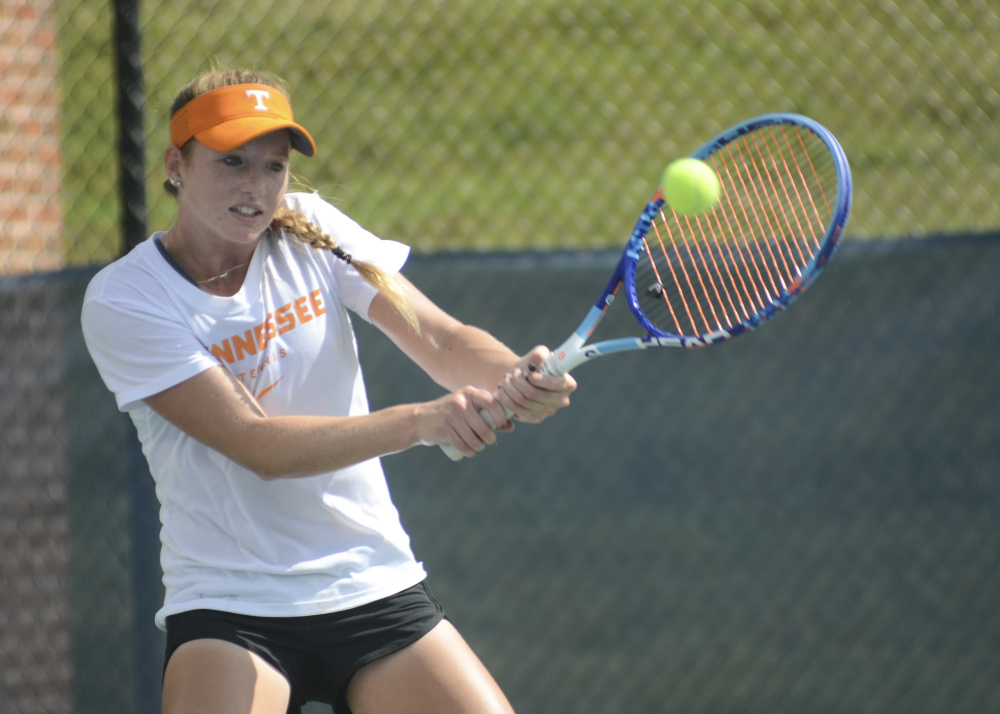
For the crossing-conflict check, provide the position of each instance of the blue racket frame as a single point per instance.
(574, 351)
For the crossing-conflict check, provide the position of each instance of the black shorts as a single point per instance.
(317, 654)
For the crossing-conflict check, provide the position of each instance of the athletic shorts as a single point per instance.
(317, 654)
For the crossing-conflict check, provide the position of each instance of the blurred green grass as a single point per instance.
(467, 125)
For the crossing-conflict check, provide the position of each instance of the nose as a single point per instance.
(252, 179)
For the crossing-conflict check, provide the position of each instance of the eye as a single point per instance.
(232, 160)
(277, 166)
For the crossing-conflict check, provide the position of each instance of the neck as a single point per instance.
(210, 273)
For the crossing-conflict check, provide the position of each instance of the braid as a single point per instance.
(386, 283)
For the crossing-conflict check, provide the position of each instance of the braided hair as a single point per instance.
(294, 223)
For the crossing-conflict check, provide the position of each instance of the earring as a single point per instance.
(176, 183)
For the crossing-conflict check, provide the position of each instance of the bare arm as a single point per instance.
(216, 409)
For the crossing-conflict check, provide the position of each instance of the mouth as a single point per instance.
(247, 211)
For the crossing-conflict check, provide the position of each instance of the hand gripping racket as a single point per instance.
(698, 281)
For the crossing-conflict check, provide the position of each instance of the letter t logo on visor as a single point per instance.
(260, 96)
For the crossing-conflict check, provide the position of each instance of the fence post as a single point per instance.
(131, 148)
(143, 529)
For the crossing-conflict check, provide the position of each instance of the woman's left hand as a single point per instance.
(530, 394)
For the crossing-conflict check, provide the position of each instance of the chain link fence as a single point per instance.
(545, 123)
(801, 521)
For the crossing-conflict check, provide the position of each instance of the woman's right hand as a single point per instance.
(455, 419)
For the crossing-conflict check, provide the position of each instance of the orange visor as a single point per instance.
(227, 118)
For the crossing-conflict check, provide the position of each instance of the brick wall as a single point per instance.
(36, 673)
(30, 216)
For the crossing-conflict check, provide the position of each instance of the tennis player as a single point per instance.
(288, 575)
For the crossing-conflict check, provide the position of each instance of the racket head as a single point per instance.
(784, 201)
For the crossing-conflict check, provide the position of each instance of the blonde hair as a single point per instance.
(285, 219)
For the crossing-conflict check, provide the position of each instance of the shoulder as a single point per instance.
(131, 277)
(330, 219)
(348, 233)
(138, 289)
(313, 206)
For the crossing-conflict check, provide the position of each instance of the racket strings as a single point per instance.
(740, 259)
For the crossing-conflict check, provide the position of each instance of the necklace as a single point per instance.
(221, 275)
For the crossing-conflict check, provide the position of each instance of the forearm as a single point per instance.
(217, 410)
(463, 355)
(214, 408)
(298, 446)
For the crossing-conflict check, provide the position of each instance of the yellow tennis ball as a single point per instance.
(690, 186)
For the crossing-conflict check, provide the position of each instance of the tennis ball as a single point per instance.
(690, 186)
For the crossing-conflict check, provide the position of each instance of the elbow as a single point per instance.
(272, 467)
(268, 474)
(261, 468)
(261, 463)
(254, 451)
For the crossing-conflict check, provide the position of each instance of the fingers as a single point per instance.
(497, 416)
(468, 420)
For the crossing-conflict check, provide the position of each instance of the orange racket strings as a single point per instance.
(718, 269)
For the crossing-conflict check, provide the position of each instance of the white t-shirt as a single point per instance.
(229, 540)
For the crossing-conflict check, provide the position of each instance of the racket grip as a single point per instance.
(454, 454)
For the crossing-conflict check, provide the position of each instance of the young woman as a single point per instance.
(288, 575)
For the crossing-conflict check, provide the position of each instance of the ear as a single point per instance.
(173, 159)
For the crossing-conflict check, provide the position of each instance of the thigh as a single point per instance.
(211, 676)
(438, 674)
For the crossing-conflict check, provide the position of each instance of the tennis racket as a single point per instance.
(697, 281)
